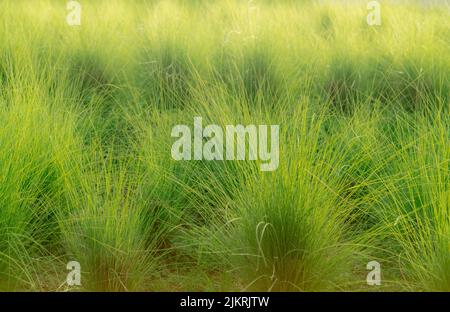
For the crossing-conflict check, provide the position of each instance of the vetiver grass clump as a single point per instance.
(86, 172)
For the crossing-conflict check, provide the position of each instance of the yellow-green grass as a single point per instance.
(86, 172)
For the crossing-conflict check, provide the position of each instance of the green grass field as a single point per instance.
(86, 172)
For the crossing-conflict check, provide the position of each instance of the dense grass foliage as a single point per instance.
(86, 172)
